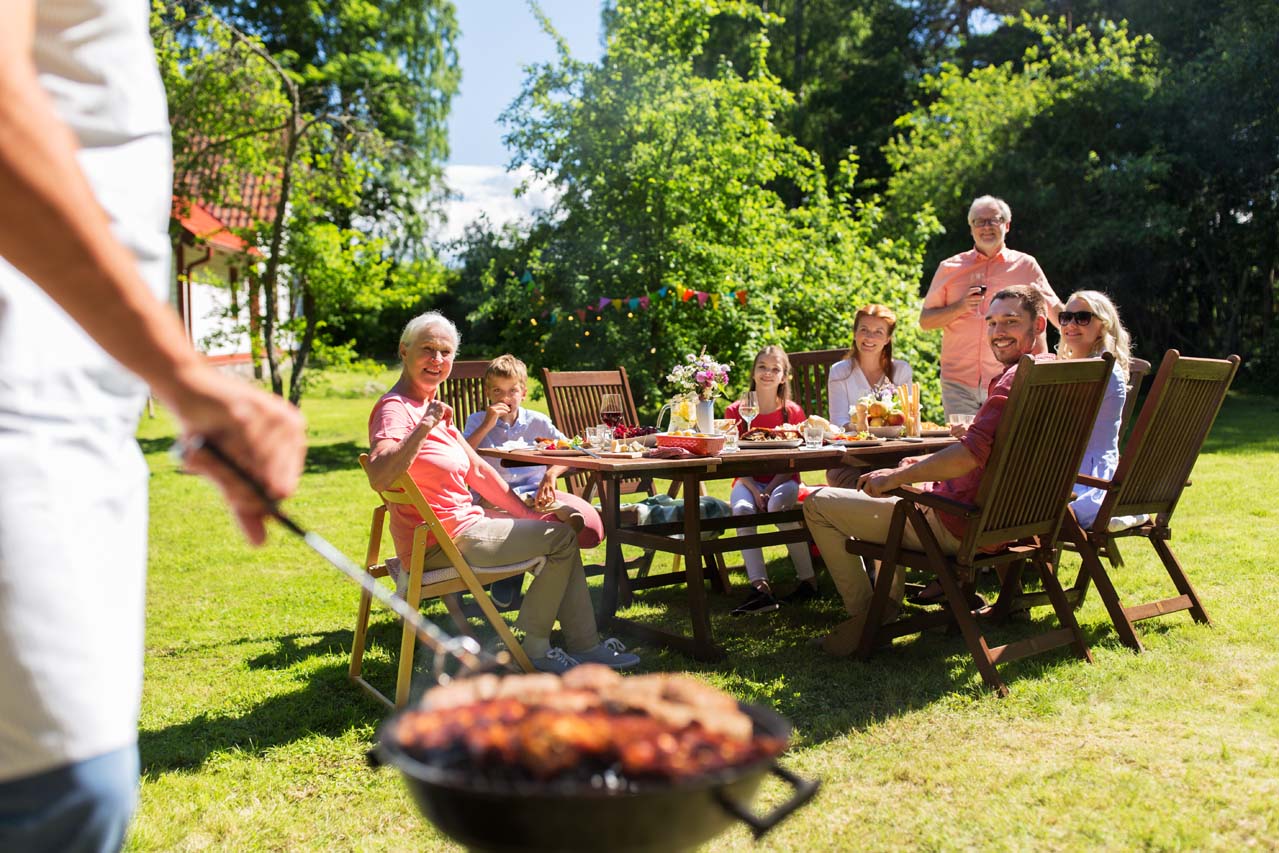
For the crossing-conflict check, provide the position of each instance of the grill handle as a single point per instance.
(804, 791)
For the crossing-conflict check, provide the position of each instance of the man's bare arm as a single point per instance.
(54, 231)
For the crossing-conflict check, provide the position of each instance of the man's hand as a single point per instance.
(260, 431)
(972, 299)
(879, 482)
(545, 493)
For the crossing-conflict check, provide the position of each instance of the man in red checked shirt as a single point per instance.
(1014, 323)
(958, 299)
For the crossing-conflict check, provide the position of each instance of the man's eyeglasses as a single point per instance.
(986, 223)
(1079, 318)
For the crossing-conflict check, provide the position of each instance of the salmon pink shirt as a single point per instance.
(965, 354)
(440, 470)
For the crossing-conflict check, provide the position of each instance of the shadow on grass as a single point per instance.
(339, 456)
(770, 662)
(329, 705)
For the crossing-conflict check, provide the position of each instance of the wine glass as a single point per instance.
(611, 410)
(748, 408)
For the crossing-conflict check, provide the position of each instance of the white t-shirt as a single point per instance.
(846, 384)
(73, 505)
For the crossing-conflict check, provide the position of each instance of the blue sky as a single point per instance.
(498, 38)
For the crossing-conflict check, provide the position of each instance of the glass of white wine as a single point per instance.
(748, 408)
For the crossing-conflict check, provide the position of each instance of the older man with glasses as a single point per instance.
(959, 297)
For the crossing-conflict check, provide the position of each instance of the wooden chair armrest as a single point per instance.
(935, 501)
(1095, 482)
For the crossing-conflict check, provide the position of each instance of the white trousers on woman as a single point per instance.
(784, 496)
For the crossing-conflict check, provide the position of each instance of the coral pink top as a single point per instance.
(965, 354)
(441, 470)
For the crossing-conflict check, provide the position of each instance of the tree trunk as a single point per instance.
(271, 280)
(303, 354)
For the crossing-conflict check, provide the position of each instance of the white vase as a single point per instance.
(706, 416)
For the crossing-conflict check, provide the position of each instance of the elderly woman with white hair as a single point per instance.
(411, 430)
(1090, 326)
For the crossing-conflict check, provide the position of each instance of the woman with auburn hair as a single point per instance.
(869, 364)
(1089, 327)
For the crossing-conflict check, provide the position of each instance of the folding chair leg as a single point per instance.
(499, 625)
(361, 635)
(1109, 597)
(883, 585)
(404, 676)
(1180, 580)
(1065, 614)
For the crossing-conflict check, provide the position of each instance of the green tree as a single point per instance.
(672, 179)
(384, 65)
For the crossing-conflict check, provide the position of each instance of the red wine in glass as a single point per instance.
(611, 410)
(612, 419)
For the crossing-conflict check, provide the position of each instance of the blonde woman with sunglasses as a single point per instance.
(1089, 326)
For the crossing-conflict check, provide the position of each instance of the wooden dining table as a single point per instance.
(685, 537)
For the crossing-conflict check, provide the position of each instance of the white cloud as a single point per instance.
(489, 191)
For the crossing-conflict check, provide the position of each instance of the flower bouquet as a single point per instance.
(698, 381)
(700, 375)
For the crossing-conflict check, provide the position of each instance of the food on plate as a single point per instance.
(818, 420)
(625, 447)
(573, 443)
(930, 426)
(592, 723)
(781, 433)
(854, 436)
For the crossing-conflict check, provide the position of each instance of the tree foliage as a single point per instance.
(1150, 179)
(673, 179)
(240, 116)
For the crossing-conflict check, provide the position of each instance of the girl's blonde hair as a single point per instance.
(883, 312)
(783, 387)
(1114, 337)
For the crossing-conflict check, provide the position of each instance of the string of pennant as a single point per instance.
(631, 304)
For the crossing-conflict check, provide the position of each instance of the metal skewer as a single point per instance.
(464, 649)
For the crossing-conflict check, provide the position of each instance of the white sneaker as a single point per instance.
(611, 653)
(556, 661)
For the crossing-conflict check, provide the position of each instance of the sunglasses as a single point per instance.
(1080, 318)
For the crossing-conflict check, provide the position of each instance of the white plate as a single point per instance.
(570, 451)
(857, 442)
(773, 444)
(887, 431)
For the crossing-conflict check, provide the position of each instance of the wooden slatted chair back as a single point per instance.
(810, 371)
(464, 390)
(1138, 369)
(1038, 448)
(1178, 414)
(573, 396)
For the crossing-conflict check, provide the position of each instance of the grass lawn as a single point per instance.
(253, 739)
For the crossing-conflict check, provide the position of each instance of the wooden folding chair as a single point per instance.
(810, 373)
(1154, 469)
(1138, 368)
(1022, 499)
(464, 390)
(424, 585)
